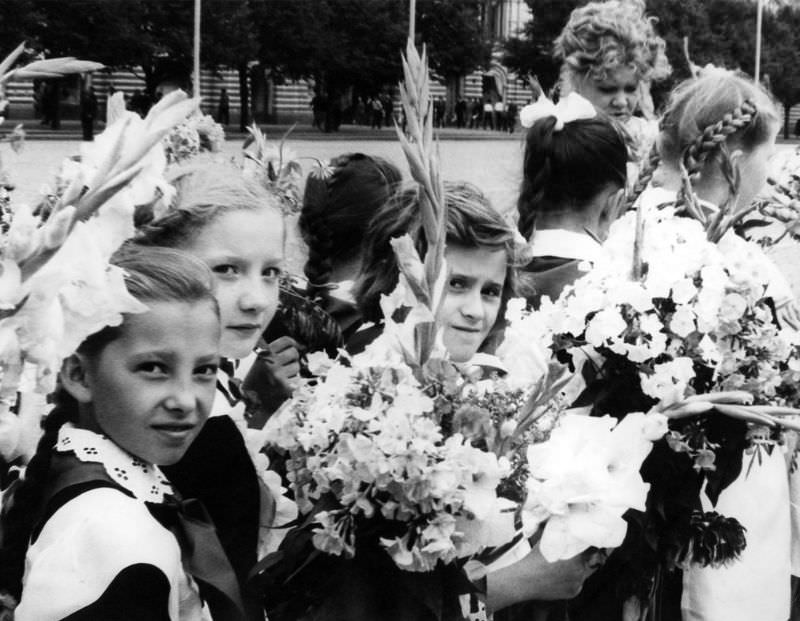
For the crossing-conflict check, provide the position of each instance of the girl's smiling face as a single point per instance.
(473, 295)
(150, 389)
(244, 250)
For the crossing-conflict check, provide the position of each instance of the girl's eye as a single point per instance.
(631, 89)
(225, 269)
(492, 292)
(272, 273)
(206, 371)
(458, 284)
(152, 368)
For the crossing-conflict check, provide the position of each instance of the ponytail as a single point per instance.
(567, 168)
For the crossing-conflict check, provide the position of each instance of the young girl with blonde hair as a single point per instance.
(718, 134)
(236, 228)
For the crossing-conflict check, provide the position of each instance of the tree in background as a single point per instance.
(455, 40)
(532, 53)
(344, 46)
(781, 58)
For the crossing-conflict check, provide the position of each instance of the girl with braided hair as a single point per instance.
(236, 228)
(334, 220)
(95, 525)
(573, 188)
(610, 54)
(717, 136)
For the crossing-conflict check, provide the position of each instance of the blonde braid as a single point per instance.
(645, 176)
(713, 136)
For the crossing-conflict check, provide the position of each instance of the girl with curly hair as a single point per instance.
(610, 54)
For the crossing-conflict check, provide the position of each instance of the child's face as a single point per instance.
(151, 389)
(473, 294)
(617, 94)
(244, 250)
(753, 170)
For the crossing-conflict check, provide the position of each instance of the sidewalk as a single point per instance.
(71, 130)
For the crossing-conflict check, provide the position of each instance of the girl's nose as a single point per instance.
(255, 296)
(182, 398)
(472, 306)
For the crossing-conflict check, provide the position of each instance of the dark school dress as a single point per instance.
(111, 540)
(218, 470)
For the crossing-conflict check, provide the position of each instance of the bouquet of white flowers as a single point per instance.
(399, 448)
(56, 285)
(672, 322)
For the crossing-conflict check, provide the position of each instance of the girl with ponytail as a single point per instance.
(96, 526)
(573, 188)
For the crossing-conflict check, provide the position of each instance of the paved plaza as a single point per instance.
(492, 165)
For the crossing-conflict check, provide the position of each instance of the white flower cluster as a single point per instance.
(697, 303)
(56, 284)
(370, 436)
(585, 477)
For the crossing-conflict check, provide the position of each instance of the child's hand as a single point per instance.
(284, 360)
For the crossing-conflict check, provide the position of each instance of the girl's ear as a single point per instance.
(74, 378)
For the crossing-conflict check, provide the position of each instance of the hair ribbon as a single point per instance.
(572, 107)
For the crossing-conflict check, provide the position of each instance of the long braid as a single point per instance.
(531, 197)
(713, 136)
(713, 139)
(319, 265)
(16, 522)
(537, 175)
(645, 176)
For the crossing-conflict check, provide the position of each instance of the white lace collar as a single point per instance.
(145, 481)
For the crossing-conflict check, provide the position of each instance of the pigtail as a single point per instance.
(18, 516)
(713, 140)
(714, 136)
(537, 173)
(317, 236)
(645, 176)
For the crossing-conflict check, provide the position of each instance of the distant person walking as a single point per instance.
(224, 108)
(500, 115)
(376, 107)
(488, 114)
(461, 112)
(388, 109)
(318, 110)
(88, 112)
(511, 117)
(476, 111)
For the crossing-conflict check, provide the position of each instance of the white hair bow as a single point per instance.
(569, 108)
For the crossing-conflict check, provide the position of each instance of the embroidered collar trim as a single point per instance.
(145, 481)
